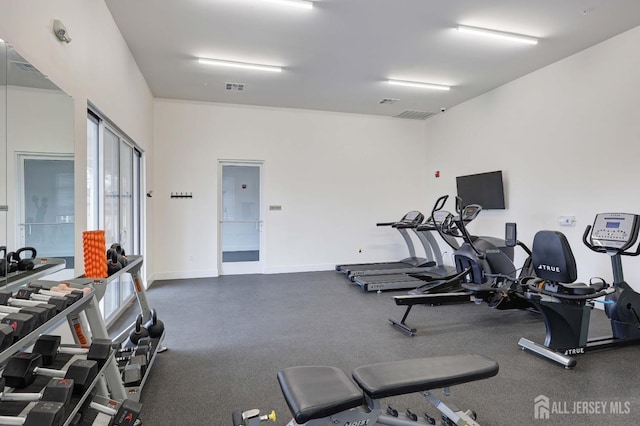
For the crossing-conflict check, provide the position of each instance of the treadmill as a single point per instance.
(438, 272)
(408, 264)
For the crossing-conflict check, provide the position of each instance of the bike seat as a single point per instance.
(555, 266)
(315, 392)
(577, 289)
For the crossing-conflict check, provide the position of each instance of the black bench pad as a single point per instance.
(416, 375)
(314, 392)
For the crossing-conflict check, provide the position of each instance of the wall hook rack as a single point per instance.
(181, 195)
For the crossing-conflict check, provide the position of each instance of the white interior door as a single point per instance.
(241, 242)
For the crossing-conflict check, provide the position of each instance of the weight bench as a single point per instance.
(319, 395)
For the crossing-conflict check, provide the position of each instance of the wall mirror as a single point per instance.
(37, 185)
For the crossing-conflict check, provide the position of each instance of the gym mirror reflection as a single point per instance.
(37, 168)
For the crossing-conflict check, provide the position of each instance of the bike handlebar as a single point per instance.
(598, 249)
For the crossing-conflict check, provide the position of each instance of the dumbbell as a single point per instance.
(133, 361)
(31, 294)
(21, 371)
(143, 347)
(6, 299)
(132, 375)
(44, 413)
(6, 336)
(64, 288)
(154, 326)
(57, 390)
(49, 347)
(134, 370)
(40, 313)
(19, 263)
(22, 324)
(126, 414)
(74, 294)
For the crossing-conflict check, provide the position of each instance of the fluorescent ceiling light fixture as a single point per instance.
(303, 4)
(418, 84)
(497, 34)
(244, 65)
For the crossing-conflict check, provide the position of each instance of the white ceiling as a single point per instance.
(338, 56)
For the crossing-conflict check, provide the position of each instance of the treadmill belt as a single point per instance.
(389, 278)
(376, 266)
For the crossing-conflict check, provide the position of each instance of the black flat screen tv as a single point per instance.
(484, 189)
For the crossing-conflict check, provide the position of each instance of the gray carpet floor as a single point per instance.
(229, 336)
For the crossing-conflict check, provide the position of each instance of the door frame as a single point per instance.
(241, 268)
(19, 225)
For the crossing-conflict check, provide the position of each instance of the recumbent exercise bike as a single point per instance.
(566, 305)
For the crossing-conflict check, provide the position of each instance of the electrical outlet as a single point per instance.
(567, 221)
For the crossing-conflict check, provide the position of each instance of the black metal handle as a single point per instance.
(23, 249)
(459, 205)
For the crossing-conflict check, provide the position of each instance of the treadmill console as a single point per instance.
(614, 231)
(413, 218)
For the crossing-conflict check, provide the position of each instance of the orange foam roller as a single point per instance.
(94, 246)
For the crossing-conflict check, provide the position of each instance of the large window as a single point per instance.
(113, 198)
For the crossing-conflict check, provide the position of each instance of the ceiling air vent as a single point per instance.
(389, 101)
(415, 115)
(238, 87)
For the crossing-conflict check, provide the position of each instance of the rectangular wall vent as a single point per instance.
(415, 115)
(239, 87)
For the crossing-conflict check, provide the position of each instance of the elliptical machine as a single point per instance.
(492, 276)
(566, 305)
(484, 264)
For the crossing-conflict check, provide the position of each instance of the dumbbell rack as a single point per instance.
(134, 267)
(108, 380)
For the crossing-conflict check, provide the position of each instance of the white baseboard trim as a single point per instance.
(298, 268)
(182, 275)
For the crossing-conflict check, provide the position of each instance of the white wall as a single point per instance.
(335, 176)
(567, 138)
(96, 66)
